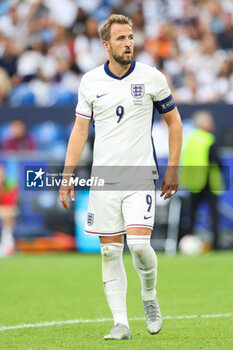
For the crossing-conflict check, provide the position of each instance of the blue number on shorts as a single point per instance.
(120, 112)
(149, 201)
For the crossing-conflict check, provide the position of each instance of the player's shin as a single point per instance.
(114, 280)
(145, 263)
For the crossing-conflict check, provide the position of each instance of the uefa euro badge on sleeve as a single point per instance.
(90, 219)
(137, 90)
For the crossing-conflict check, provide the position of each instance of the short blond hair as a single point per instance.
(106, 27)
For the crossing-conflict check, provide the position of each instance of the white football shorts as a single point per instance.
(112, 212)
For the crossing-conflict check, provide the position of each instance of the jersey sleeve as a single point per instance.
(163, 99)
(84, 106)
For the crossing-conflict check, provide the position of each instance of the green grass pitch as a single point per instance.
(46, 288)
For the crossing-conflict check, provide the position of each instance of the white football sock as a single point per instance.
(114, 280)
(145, 263)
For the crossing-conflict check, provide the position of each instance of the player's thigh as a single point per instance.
(138, 231)
(7, 212)
(112, 239)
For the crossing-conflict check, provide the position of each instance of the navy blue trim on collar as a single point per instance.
(107, 71)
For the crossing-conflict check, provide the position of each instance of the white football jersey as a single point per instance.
(122, 110)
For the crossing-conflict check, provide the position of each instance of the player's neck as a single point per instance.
(118, 69)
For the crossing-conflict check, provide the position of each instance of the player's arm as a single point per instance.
(77, 140)
(170, 180)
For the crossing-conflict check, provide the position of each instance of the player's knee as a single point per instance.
(143, 256)
(137, 249)
(109, 252)
(106, 252)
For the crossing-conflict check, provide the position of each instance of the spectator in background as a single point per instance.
(8, 201)
(60, 47)
(139, 27)
(161, 46)
(19, 140)
(223, 82)
(9, 58)
(5, 85)
(214, 16)
(225, 38)
(201, 171)
(127, 7)
(205, 64)
(29, 61)
(79, 23)
(40, 22)
(187, 93)
(89, 54)
(63, 11)
(14, 27)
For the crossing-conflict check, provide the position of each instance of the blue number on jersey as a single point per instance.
(120, 112)
(149, 201)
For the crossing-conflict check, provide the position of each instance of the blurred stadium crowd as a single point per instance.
(46, 45)
(46, 138)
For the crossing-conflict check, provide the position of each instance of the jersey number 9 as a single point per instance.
(120, 112)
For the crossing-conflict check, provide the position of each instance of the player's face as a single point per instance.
(121, 43)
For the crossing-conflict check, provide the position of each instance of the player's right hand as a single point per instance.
(64, 191)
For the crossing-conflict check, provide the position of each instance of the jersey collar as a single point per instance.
(107, 71)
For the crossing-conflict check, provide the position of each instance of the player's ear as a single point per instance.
(106, 45)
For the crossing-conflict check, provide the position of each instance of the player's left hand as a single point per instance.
(170, 182)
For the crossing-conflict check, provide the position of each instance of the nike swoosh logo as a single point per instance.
(147, 217)
(104, 282)
(98, 96)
